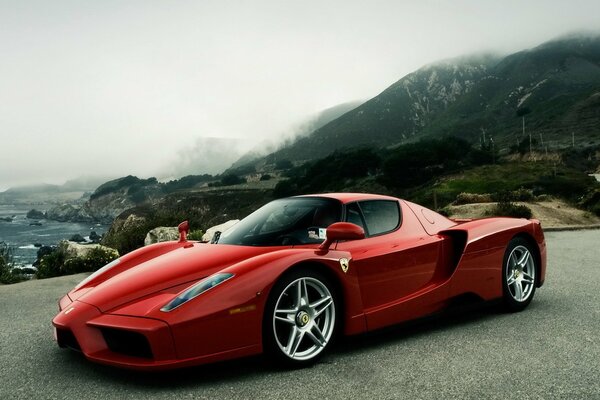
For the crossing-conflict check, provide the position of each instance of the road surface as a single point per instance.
(551, 350)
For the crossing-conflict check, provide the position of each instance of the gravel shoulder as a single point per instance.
(549, 351)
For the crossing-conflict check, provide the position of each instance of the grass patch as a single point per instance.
(521, 178)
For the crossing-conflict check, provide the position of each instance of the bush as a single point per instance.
(231, 179)
(283, 164)
(59, 262)
(95, 259)
(591, 201)
(470, 198)
(7, 273)
(509, 209)
(520, 194)
(195, 235)
(51, 264)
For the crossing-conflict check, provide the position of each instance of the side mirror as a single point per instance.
(342, 231)
(184, 229)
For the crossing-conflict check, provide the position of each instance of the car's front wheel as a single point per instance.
(519, 274)
(300, 318)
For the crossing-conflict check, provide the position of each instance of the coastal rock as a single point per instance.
(94, 237)
(69, 213)
(77, 238)
(35, 214)
(6, 219)
(161, 234)
(210, 232)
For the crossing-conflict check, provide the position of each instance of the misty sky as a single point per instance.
(127, 87)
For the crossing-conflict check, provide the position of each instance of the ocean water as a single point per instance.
(23, 237)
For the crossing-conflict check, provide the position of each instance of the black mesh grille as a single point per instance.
(65, 338)
(126, 342)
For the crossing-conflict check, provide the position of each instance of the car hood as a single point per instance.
(182, 265)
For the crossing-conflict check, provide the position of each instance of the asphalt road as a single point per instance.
(551, 350)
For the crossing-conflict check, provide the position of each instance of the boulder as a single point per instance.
(210, 232)
(161, 234)
(76, 250)
(77, 238)
(35, 214)
(69, 213)
(94, 237)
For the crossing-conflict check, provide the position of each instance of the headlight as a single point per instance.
(98, 272)
(197, 289)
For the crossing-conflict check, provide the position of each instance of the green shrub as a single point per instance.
(504, 196)
(509, 209)
(51, 264)
(470, 198)
(59, 262)
(7, 273)
(196, 234)
(94, 260)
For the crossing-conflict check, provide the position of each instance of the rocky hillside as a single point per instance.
(555, 87)
(109, 200)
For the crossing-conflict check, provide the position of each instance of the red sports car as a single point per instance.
(291, 276)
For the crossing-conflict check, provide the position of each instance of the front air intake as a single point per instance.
(65, 338)
(128, 343)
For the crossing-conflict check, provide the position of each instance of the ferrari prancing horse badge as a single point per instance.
(344, 263)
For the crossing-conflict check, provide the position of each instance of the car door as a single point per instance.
(395, 261)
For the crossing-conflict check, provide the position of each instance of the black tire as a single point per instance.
(519, 275)
(302, 321)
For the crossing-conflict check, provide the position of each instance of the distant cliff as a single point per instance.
(109, 200)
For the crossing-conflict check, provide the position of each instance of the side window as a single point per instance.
(353, 215)
(381, 216)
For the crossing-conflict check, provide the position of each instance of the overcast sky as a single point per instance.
(125, 87)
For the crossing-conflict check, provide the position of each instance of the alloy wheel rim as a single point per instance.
(304, 318)
(520, 273)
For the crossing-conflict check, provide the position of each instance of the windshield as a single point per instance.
(285, 222)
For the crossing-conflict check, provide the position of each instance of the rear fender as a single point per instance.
(479, 267)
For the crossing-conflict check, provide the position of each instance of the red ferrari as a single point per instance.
(291, 276)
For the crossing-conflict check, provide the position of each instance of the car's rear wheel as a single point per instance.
(300, 318)
(519, 274)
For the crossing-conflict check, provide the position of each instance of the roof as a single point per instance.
(350, 197)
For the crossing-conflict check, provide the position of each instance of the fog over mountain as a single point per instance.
(140, 87)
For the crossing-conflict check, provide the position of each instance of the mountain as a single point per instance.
(310, 125)
(555, 87)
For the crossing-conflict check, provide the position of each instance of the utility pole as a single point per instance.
(530, 146)
(493, 153)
